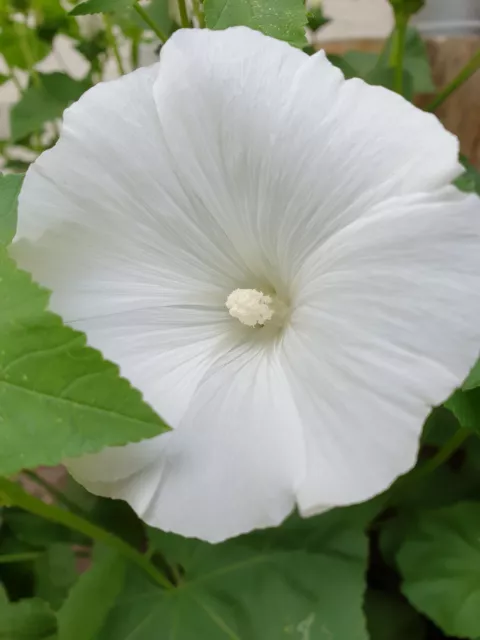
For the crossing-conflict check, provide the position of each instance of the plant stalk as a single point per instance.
(468, 70)
(13, 494)
(151, 23)
(60, 497)
(198, 13)
(112, 43)
(184, 21)
(398, 51)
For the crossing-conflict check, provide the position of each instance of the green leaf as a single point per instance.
(362, 62)
(473, 379)
(10, 186)
(159, 11)
(385, 77)
(439, 561)
(303, 580)
(465, 405)
(416, 61)
(41, 104)
(391, 618)
(119, 518)
(20, 45)
(100, 6)
(282, 19)
(91, 599)
(468, 182)
(37, 532)
(316, 19)
(55, 572)
(58, 397)
(375, 69)
(13, 558)
(26, 620)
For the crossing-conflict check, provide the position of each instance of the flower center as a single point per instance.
(250, 306)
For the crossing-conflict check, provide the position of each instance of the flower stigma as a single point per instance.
(250, 306)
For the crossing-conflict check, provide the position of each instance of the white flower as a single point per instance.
(274, 257)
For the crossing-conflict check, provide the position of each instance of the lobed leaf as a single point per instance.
(92, 597)
(26, 620)
(58, 397)
(10, 186)
(100, 6)
(303, 580)
(439, 561)
(465, 405)
(282, 19)
(44, 103)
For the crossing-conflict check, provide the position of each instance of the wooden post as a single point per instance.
(460, 113)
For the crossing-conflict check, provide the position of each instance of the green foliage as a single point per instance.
(473, 379)
(385, 77)
(159, 11)
(9, 189)
(303, 580)
(100, 6)
(466, 407)
(27, 620)
(416, 61)
(38, 533)
(407, 8)
(316, 19)
(21, 46)
(375, 69)
(469, 181)
(44, 102)
(439, 562)
(391, 618)
(282, 19)
(58, 397)
(55, 572)
(91, 599)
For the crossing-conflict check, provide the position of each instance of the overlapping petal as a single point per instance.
(233, 462)
(384, 329)
(240, 162)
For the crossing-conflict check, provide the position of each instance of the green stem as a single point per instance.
(15, 81)
(134, 53)
(198, 12)
(468, 70)
(151, 23)
(184, 21)
(112, 43)
(398, 51)
(444, 454)
(19, 557)
(60, 497)
(13, 494)
(27, 53)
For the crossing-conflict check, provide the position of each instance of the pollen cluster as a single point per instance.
(250, 306)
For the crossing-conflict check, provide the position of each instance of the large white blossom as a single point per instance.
(274, 257)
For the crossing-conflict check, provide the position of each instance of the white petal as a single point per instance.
(385, 327)
(106, 225)
(282, 150)
(111, 174)
(232, 465)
